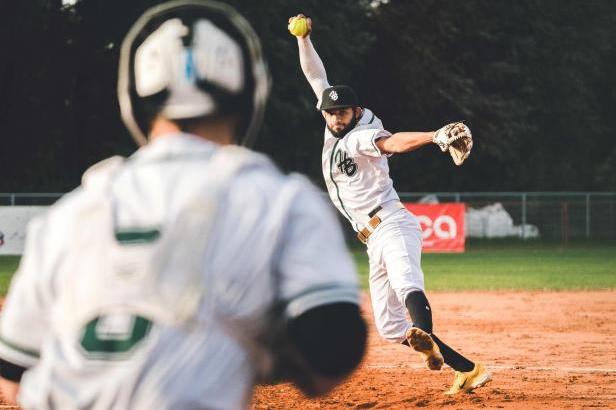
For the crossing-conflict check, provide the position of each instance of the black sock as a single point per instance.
(421, 315)
(454, 359)
(419, 310)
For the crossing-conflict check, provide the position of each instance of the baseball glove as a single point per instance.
(285, 362)
(455, 138)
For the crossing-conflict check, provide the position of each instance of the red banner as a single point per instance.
(442, 225)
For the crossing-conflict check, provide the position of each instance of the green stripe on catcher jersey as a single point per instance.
(17, 348)
(137, 236)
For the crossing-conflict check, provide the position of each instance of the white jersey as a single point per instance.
(356, 172)
(145, 287)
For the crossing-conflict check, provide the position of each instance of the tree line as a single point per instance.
(534, 79)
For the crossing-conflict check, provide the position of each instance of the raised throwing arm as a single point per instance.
(311, 63)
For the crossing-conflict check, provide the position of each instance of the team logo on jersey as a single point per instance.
(333, 95)
(345, 163)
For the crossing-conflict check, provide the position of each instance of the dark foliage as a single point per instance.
(534, 79)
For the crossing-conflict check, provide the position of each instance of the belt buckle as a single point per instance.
(363, 236)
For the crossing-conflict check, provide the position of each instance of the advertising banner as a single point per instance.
(442, 225)
(13, 223)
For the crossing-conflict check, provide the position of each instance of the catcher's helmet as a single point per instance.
(189, 59)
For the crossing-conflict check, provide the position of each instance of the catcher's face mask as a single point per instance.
(190, 59)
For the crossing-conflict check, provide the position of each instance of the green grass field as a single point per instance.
(8, 264)
(520, 266)
(489, 266)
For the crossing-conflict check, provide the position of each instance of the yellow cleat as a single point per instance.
(467, 381)
(425, 346)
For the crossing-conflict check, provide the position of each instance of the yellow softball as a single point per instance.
(298, 26)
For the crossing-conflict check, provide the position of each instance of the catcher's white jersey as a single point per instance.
(356, 172)
(145, 287)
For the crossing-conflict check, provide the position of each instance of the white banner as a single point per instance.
(13, 223)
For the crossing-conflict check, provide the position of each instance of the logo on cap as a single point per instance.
(333, 95)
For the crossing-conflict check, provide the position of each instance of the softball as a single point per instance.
(298, 26)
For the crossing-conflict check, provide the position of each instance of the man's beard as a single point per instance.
(345, 130)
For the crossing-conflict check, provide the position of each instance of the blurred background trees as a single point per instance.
(534, 79)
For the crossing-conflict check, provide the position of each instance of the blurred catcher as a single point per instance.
(355, 151)
(178, 277)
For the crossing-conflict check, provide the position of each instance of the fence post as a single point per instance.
(457, 197)
(524, 215)
(587, 216)
(12, 199)
(565, 222)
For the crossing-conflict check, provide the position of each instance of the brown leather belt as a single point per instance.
(375, 220)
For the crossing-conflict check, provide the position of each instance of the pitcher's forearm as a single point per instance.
(404, 142)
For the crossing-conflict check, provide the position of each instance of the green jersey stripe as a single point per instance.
(137, 236)
(28, 352)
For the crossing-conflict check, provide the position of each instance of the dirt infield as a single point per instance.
(551, 350)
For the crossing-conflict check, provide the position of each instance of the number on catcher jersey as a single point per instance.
(114, 336)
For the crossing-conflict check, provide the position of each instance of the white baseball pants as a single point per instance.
(394, 253)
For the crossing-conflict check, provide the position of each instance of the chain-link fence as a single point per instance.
(45, 198)
(556, 215)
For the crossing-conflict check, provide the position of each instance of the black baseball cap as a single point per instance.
(338, 96)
